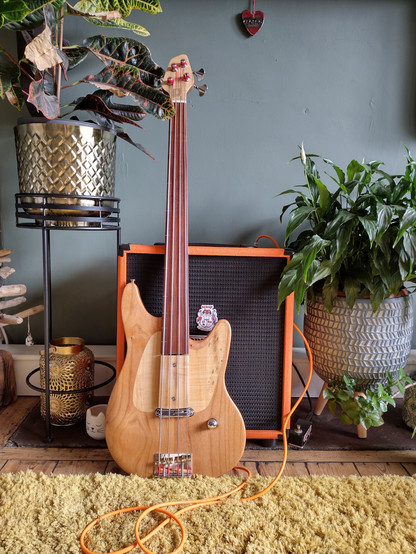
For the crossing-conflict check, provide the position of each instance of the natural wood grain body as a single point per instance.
(133, 431)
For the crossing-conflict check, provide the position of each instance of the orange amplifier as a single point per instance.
(238, 284)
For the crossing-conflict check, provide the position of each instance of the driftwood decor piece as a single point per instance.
(9, 290)
(7, 377)
(15, 291)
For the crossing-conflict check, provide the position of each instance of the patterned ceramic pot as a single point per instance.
(358, 342)
(71, 367)
(65, 158)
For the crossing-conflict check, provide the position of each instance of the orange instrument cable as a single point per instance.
(266, 237)
(193, 504)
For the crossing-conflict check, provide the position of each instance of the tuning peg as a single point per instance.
(201, 90)
(199, 74)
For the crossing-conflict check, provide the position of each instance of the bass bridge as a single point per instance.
(172, 465)
(171, 413)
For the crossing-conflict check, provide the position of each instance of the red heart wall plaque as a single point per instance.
(252, 21)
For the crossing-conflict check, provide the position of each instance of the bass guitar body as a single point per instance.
(172, 415)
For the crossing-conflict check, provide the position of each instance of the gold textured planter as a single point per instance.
(71, 367)
(358, 342)
(65, 158)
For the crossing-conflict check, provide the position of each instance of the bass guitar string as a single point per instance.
(167, 278)
(184, 289)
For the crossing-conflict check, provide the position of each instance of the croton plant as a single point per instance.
(40, 74)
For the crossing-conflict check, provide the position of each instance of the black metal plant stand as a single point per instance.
(64, 212)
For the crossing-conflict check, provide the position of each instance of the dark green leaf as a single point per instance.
(370, 226)
(332, 405)
(297, 217)
(329, 293)
(355, 171)
(352, 289)
(316, 244)
(324, 194)
(378, 294)
(291, 275)
(342, 242)
(9, 81)
(346, 418)
(342, 217)
(321, 271)
(408, 220)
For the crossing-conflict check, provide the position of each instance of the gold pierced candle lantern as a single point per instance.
(71, 368)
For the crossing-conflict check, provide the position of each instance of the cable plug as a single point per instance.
(299, 435)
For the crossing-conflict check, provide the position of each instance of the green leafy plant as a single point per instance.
(358, 237)
(366, 408)
(128, 72)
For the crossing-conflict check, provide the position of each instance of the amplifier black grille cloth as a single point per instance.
(244, 291)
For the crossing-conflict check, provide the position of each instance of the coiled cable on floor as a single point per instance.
(193, 504)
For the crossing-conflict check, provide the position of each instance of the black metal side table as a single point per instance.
(64, 212)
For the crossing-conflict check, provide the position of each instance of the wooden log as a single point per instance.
(8, 392)
(6, 319)
(5, 259)
(4, 252)
(4, 304)
(12, 290)
(6, 272)
(30, 311)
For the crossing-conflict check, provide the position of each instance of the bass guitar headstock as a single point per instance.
(179, 79)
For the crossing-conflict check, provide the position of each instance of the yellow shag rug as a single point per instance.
(319, 514)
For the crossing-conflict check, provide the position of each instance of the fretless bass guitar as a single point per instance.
(169, 413)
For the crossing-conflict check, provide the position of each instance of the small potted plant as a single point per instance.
(353, 263)
(365, 409)
(37, 77)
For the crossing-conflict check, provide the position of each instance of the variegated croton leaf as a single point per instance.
(46, 103)
(125, 80)
(124, 7)
(105, 111)
(26, 15)
(119, 23)
(127, 51)
(75, 54)
(100, 103)
(110, 13)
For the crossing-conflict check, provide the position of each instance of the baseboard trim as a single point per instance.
(26, 359)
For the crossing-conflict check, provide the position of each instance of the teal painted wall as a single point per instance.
(338, 75)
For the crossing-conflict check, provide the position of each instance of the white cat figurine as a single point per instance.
(95, 421)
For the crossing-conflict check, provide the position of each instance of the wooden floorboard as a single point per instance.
(263, 461)
(12, 416)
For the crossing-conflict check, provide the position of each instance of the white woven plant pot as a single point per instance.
(358, 342)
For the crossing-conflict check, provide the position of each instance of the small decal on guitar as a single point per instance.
(207, 318)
